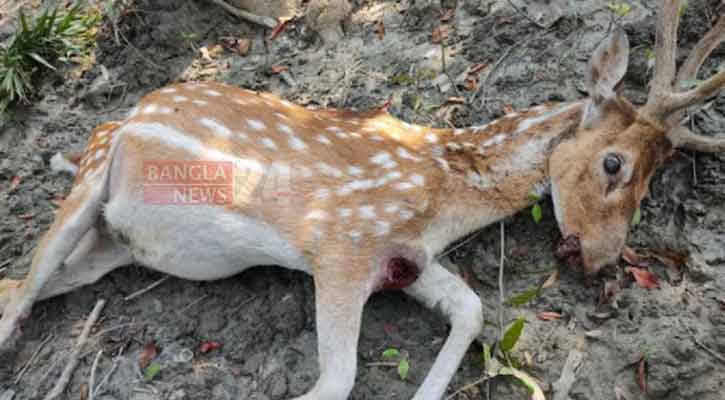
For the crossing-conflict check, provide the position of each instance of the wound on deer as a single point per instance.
(400, 273)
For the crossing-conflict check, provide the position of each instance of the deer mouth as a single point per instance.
(569, 250)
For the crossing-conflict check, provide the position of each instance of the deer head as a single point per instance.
(601, 172)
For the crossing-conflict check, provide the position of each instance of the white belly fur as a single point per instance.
(198, 242)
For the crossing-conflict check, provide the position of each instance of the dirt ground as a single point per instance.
(264, 318)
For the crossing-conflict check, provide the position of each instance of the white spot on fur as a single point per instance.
(496, 140)
(382, 228)
(150, 109)
(296, 143)
(404, 153)
(179, 99)
(458, 131)
(212, 93)
(431, 138)
(406, 214)
(391, 208)
(367, 212)
(200, 102)
(285, 129)
(268, 143)
(333, 129)
(417, 179)
(216, 127)
(319, 215)
(384, 160)
(322, 193)
(377, 138)
(256, 124)
(355, 236)
(327, 169)
(323, 139)
(344, 212)
(342, 135)
(168, 90)
(402, 186)
(355, 170)
(529, 122)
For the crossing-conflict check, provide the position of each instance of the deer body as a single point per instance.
(361, 201)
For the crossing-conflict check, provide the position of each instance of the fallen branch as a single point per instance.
(62, 382)
(267, 22)
(146, 289)
(568, 375)
(32, 359)
(92, 379)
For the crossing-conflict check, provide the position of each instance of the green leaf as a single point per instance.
(151, 371)
(523, 297)
(621, 9)
(403, 368)
(402, 80)
(512, 335)
(527, 380)
(391, 353)
(41, 60)
(637, 217)
(683, 7)
(486, 355)
(536, 212)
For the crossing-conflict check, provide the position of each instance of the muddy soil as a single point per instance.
(264, 318)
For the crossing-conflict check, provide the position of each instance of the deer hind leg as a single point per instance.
(78, 215)
(339, 306)
(438, 288)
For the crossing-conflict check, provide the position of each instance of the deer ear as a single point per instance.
(607, 67)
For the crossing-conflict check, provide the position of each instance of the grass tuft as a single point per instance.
(55, 36)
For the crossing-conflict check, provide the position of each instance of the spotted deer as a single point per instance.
(360, 200)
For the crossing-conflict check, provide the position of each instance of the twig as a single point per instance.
(568, 375)
(525, 15)
(702, 345)
(62, 382)
(108, 375)
(193, 303)
(468, 386)
(32, 359)
(92, 379)
(3, 265)
(267, 22)
(501, 292)
(490, 73)
(146, 289)
(460, 244)
(382, 364)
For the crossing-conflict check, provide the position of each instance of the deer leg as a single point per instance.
(438, 288)
(339, 308)
(77, 216)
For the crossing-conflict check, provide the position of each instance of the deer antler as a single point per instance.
(665, 102)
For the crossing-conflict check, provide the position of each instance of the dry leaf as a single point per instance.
(281, 26)
(240, 46)
(440, 34)
(455, 100)
(207, 346)
(276, 69)
(147, 354)
(26, 216)
(644, 278)
(507, 109)
(548, 316)
(380, 30)
(471, 83)
(642, 375)
(15, 182)
(448, 15)
(630, 256)
(551, 280)
(476, 68)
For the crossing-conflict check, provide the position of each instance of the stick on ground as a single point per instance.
(62, 382)
(267, 22)
(146, 289)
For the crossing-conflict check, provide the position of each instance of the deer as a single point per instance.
(362, 201)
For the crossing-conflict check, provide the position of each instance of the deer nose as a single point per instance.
(569, 250)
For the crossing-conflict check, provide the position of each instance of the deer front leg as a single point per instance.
(339, 304)
(440, 289)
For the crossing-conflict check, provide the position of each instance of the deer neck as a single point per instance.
(494, 170)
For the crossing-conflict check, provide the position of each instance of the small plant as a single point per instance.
(536, 212)
(637, 217)
(52, 36)
(402, 361)
(620, 8)
(190, 39)
(500, 362)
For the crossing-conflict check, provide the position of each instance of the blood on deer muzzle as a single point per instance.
(569, 250)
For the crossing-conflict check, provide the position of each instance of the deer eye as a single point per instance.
(612, 163)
